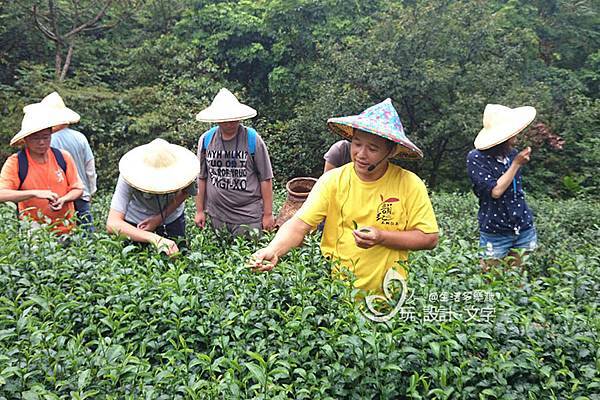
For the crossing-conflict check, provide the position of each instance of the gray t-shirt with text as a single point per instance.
(233, 177)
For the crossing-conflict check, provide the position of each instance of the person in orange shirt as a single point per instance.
(46, 193)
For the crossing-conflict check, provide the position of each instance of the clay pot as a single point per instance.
(297, 192)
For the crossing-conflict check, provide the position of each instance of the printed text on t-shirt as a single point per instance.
(227, 169)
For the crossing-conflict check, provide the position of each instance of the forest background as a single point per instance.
(139, 69)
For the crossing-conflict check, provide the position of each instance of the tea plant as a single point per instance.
(102, 318)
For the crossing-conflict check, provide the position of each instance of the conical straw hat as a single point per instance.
(500, 123)
(225, 107)
(159, 167)
(382, 120)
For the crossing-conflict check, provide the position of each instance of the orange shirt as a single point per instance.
(47, 176)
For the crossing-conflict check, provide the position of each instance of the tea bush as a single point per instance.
(104, 319)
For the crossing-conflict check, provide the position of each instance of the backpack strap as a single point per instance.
(207, 138)
(252, 147)
(251, 141)
(60, 159)
(23, 167)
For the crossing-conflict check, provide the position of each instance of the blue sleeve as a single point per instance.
(480, 173)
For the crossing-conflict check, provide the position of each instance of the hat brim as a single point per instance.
(493, 136)
(169, 179)
(46, 121)
(405, 149)
(212, 114)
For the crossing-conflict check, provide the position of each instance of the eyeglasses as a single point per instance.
(45, 137)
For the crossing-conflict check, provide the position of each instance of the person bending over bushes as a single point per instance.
(147, 205)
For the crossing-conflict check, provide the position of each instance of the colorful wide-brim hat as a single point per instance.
(225, 107)
(382, 120)
(159, 167)
(500, 123)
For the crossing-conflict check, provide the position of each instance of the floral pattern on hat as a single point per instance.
(381, 119)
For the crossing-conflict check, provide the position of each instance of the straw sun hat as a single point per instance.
(159, 167)
(500, 123)
(51, 111)
(225, 107)
(382, 120)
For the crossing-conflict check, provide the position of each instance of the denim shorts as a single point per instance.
(493, 245)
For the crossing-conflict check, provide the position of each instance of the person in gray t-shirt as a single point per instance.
(337, 155)
(235, 181)
(147, 205)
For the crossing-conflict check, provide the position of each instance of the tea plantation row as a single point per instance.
(103, 319)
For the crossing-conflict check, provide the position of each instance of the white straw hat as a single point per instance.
(159, 167)
(225, 107)
(56, 103)
(500, 123)
(51, 111)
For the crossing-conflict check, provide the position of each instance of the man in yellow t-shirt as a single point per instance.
(376, 211)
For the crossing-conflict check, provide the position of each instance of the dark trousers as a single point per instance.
(84, 216)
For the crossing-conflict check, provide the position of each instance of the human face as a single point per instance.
(512, 142)
(366, 150)
(39, 142)
(229, 128)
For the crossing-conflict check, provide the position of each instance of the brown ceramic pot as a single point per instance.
(297, 192)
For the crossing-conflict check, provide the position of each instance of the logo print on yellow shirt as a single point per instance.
(59, 176)
(385, 211)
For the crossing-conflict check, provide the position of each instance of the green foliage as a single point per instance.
(301, 62)
(105, 319)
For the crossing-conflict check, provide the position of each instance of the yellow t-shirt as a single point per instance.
(397, 201)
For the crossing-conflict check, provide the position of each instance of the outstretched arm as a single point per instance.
(291, 234)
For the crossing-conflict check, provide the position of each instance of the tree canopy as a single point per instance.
(136, 70)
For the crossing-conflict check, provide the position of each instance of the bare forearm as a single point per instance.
(119, 226)
(409, 240)
(290, 235)
(16, 195)
(201, 194)
(328, 166)
(266, 191)
(73, 195)
(504, 181)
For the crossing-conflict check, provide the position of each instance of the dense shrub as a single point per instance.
(102, 318)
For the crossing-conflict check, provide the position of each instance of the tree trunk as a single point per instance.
(65, 67)
(57, 60)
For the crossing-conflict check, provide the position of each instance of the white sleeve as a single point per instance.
(90, 172)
